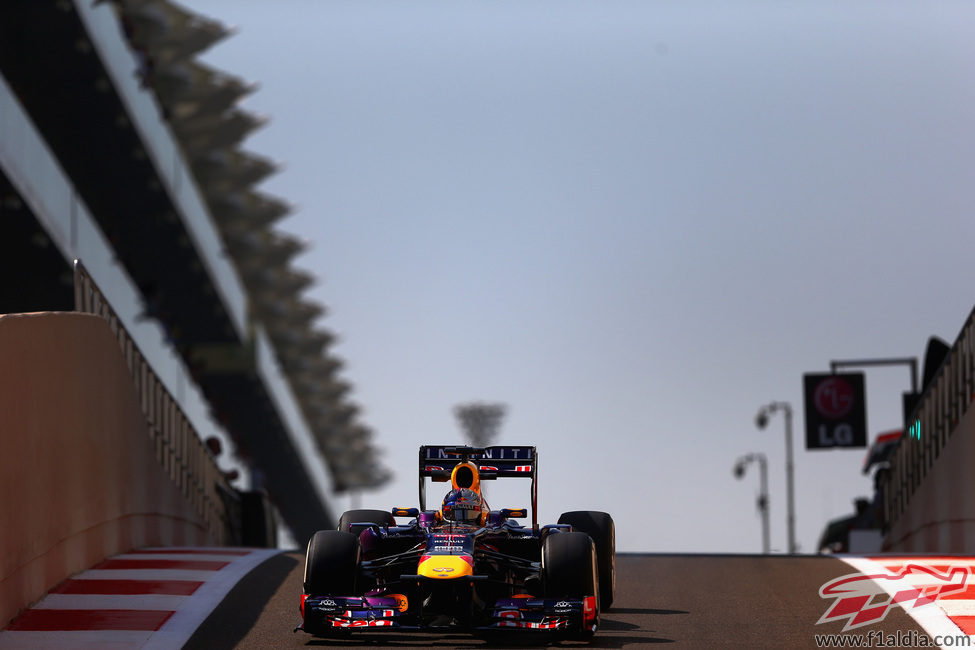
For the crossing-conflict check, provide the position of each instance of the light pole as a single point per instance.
(761, 421)
(480, 421)
(762, 501)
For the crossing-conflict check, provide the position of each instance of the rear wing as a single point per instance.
(438, 461)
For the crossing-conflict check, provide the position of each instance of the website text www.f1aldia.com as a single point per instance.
(898, 639)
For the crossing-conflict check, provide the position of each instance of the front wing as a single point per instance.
(324, 614)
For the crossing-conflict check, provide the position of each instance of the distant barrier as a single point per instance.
(179, 448)
(938, 416)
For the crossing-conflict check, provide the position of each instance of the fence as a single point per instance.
(183, 456)
(936, 418)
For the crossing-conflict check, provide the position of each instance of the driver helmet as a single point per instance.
(463, 506)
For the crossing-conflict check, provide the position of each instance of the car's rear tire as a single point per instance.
(331, 564)
(569, 570)
(378, 517)
(602, 529)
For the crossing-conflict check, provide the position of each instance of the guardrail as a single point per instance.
(179, 449)
(945, 400)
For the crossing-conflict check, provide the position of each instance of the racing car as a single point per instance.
(463, 567)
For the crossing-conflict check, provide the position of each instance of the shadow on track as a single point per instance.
(602, 640)
(227, 625)
(649, 612)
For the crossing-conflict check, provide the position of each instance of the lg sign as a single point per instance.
(836, 414)
(834, 397)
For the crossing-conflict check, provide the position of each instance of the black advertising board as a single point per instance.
(836, 410)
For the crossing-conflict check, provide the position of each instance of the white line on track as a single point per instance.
(111, 601)
(957, 607)
(181, 557)
(146, 574)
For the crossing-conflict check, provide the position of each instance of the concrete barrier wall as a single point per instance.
(79, 479)
(940, 516)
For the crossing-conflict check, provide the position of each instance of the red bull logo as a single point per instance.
(863, 599)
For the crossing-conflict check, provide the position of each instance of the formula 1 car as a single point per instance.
(464, 567)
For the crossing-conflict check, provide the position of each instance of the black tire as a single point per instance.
(379, 517)
(602, 529)
(568, 566)
(569, 570)
(331, 564)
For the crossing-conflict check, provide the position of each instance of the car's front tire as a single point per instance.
(602, 529)
(569, 570)
(331, 564)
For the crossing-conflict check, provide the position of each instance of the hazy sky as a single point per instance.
(632, 222)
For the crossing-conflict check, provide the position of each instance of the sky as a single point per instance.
(633, 223)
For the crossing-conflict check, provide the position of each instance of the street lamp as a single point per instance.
(480, 421)
(762, 501)
(761, 421)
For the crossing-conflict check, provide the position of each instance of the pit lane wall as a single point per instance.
(929, 502)
(79, 476)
